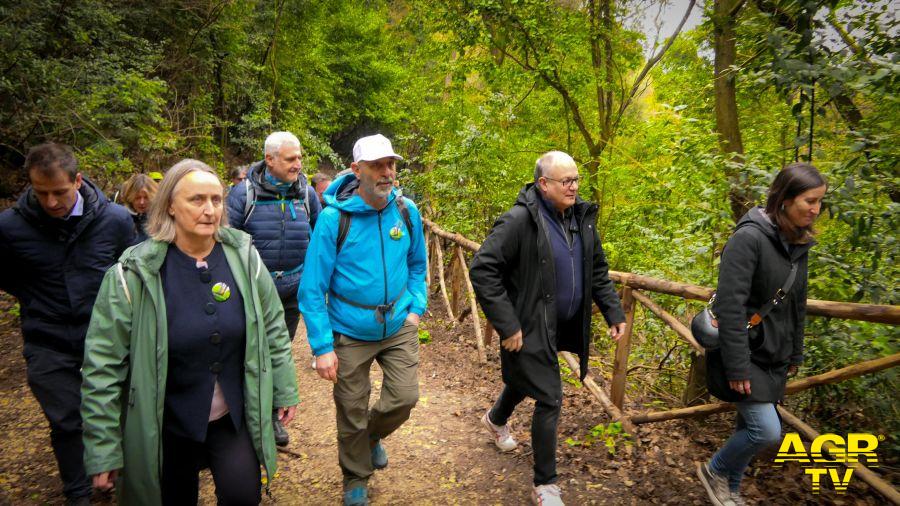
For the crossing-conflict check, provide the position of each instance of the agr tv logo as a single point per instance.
(824, 459)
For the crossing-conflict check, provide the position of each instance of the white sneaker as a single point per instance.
(314, 363)
(502, 437)
(546, 495)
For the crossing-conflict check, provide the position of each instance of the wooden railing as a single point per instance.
(453, 279)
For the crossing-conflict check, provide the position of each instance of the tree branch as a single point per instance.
(651, 63)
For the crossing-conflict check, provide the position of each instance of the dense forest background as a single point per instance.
(676, 135)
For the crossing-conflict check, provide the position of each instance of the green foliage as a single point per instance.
(611, 436)
(424, 336)
(472, 92)
(567, 374)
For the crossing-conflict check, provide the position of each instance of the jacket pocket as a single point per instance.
(756, 337)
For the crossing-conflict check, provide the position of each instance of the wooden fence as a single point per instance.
(459, 300)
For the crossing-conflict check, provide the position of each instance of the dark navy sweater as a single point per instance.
(206, 342)
(568, 259)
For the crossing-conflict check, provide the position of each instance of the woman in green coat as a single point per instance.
(186, 356)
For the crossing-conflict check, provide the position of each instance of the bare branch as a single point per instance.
(651, 63)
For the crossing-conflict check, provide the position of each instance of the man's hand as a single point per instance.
(792, 370)
(412, 318)
(105, 481)
(512, 343)
(740, 386)
(327, 366)
(617, 330)
(285, 415)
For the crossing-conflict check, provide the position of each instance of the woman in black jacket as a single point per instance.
(753, 364)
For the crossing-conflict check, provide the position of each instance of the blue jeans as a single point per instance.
(758, 427)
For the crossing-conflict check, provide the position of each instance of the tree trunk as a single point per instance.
(726, 103)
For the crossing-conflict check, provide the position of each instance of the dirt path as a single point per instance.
(440, 456)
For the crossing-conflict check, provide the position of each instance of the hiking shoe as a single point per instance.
(716, 486)
(379, 456)
(357, 496)
(502, 437)
(84, 500)
(546, 495)
(282, 438)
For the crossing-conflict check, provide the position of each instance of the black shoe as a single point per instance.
(282, 438)
(84, 500)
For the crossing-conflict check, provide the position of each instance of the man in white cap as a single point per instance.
(361, 295)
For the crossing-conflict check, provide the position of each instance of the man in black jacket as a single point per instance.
(55, 245)
(535, 276)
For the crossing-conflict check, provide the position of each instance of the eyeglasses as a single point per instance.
(567, 182)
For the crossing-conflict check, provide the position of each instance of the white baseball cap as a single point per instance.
(373, 147)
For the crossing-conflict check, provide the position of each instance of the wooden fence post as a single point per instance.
(428, 260)
(695, 390)
(476, 322)
(440, 266)
(623, 348)
(455, 275)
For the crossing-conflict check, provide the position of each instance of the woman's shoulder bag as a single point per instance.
(705, 326)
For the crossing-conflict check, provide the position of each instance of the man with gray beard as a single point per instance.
(361, 295)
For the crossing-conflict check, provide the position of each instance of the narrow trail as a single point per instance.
(441, 455)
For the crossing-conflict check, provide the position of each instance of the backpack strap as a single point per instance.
(121, 272)
(306, 203)
(250, 202)
(404, 211)
(343, 229)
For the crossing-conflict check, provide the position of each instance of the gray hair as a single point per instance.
(161, 224)
(551, 159)
(238, 171)
(276, 140)
(319, 177)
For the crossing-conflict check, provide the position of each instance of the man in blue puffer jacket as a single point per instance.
(361, 295)
(279, 210)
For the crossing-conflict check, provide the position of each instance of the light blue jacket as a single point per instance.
(380, 262)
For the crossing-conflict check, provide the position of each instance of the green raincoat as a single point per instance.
(125, 365)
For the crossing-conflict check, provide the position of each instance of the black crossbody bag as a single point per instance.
(705, 327)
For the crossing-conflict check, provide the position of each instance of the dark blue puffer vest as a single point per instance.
(279, 224)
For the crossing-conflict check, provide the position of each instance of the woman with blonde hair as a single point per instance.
(137, 194)
(186, 356)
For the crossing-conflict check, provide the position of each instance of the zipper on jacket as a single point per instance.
(259, 355)
(159, 452)
(572, 263)
(384, 271)
(281, 246)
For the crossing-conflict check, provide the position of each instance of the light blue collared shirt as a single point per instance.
(78, 208)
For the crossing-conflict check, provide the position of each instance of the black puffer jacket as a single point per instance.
(755, 263)
(54, 267)
(514, 280)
